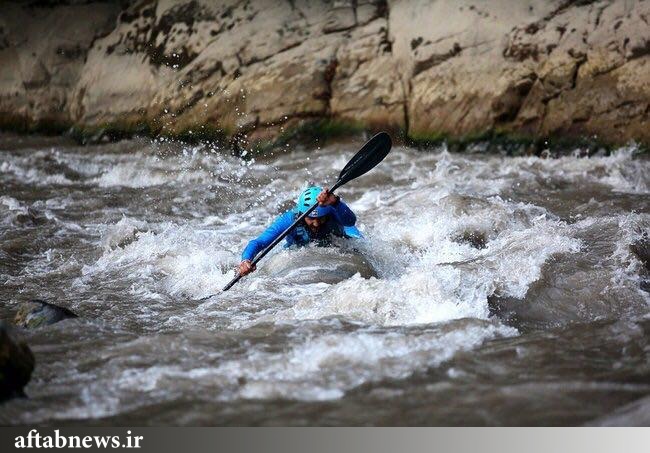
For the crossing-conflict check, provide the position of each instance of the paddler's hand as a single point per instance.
(246, 267)
(327, 199)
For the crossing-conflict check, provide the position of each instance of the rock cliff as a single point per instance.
(254, 70)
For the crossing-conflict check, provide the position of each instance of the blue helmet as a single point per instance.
(308, 198)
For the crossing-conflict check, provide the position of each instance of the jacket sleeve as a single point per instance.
(344, 214)
(263, 240)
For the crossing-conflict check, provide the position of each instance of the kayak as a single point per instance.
(312, 264)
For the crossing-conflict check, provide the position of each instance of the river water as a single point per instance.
(489, 290)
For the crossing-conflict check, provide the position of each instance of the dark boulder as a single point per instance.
(476, 239)
(16, 364)
(37, 313)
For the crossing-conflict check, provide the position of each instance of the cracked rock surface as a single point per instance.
(257, 68)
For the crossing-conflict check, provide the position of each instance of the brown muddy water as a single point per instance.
(488, 290)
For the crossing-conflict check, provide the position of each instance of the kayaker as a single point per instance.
(332, 217)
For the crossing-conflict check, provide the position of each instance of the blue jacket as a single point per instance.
(341, 223)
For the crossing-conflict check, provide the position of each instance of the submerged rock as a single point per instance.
(37, 313)
(16, 364)
(476, 239)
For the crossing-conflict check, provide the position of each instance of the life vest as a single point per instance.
(302, 236)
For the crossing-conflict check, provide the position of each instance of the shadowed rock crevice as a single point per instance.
(436, 59)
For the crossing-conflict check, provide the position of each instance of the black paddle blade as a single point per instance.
(373, 152)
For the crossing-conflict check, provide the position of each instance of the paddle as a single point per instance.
(373, 152)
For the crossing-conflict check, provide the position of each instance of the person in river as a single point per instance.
(332, 217)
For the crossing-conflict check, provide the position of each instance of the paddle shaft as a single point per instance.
(275, 242)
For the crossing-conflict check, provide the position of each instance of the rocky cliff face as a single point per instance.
(255, 69)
